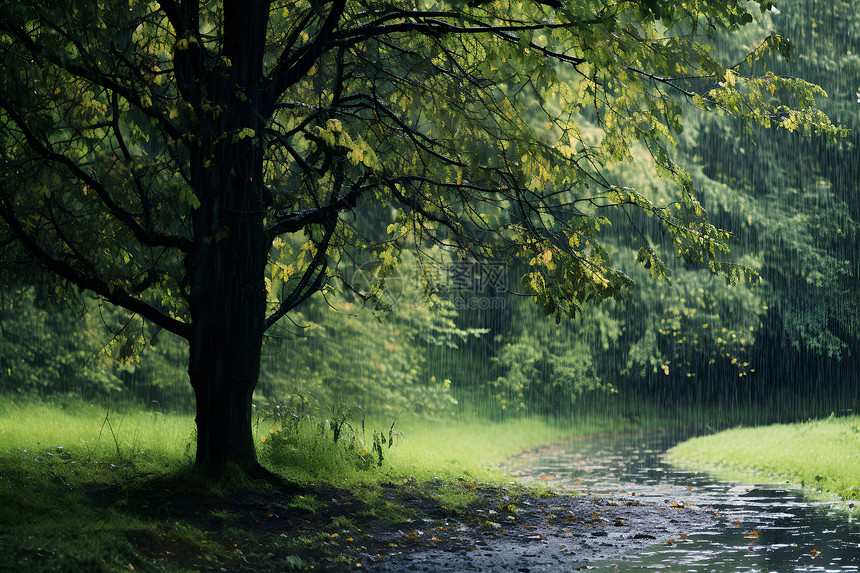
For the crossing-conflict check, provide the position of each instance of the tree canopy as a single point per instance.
(211, 165)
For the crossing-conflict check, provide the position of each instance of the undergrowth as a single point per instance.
(344, 447)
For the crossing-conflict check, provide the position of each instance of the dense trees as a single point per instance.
(210, 166)
(791, 203)
(801, 213)
(90, 350)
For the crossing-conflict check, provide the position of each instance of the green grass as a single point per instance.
(823, 454)
(422, 450)
(94, 433)
(69, 471)
(448, 450)
(55, 457)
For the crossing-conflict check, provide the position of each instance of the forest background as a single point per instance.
(689, 345)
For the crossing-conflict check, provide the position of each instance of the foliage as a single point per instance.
(691, 323)
(43, 352)
(793, 201)
(791, 204)
(546, 367)
(426, 113)
(95, 351)
(342, 349)
(673, 332)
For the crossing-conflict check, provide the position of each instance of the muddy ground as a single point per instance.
(559, 534)
(403, 528)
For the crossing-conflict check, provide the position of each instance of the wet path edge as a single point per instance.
(562, 533)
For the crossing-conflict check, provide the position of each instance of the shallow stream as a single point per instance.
(758, 527)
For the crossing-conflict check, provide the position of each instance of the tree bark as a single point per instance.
(226, 270)
(223, 418)
(228, 301)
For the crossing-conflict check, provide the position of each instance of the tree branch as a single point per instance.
(435, 27)
(298, 220)
(304, 165)
(302, 291)
(128, 219)
(414, 135)
(171, 10)
(113, 295)
(292, 67)
(93, 75)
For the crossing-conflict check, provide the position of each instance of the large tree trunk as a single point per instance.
(226, 271)
(228, 304)
(227, 308)
(224, 366)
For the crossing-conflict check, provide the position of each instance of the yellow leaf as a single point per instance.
(730, 77)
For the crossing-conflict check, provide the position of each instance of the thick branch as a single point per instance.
(171, 10)
(292, 67)
(128, 219)
(115, 296)
(298, 220)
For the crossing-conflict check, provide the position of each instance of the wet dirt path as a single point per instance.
(576, 530)
(755, 527)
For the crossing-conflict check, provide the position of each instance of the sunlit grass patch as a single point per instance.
(57, 459)
(94, 433)
(419, 450)
(822, 454)
(462, 450)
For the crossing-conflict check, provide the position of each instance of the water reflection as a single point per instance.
(759, 527)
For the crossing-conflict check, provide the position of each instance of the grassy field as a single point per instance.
(76, 479)
(54, 458)
(89, 488)
(821, 454)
